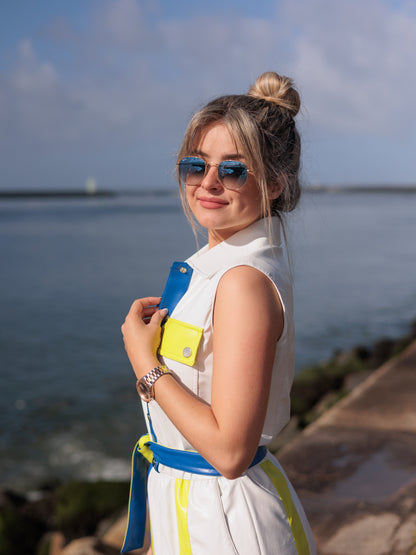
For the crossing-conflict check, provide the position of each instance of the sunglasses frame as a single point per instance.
(207, 168)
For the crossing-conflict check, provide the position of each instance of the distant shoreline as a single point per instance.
(80, 193)
(67, 193)
(360, 189)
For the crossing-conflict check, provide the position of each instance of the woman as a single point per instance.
(219, 384)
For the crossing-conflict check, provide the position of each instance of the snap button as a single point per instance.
(187, 352)
(183, 270)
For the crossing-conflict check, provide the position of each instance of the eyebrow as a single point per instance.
(233, 156)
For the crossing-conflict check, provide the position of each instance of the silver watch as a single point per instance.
(145, 385)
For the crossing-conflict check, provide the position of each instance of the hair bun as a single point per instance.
(277, 89)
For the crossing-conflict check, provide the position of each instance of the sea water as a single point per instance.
(71, 268)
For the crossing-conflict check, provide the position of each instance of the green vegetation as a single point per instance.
(311, 385)
(320, 386)
(80, 505)
(19, 532)
(75, 508)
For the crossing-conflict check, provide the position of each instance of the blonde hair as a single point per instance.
(262, 124)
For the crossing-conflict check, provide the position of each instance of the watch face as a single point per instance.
(143, 391)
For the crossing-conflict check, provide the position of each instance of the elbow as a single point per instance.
(233, 473)
(232, 465)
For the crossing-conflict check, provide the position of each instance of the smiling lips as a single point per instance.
(212, 202)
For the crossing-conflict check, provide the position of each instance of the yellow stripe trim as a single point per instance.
(151, 536)
(144, 449)
(181, 501)
(282, 488)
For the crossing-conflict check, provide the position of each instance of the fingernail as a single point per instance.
(164, 312)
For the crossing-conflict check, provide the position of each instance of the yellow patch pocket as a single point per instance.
(180, 341)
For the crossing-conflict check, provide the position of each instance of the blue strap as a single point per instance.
(191, 461)
(175, 288)
(149, 419)
(187, 461)
(176, 285)
(136, 513)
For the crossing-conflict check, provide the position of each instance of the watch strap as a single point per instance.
(149, 379)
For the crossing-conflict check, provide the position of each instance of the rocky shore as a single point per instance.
(82, 518)
(355, 467)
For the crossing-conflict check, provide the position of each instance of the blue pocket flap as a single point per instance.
(176, 285)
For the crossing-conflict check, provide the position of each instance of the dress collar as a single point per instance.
(253, 239)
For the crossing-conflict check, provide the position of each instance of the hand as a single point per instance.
(141, 334)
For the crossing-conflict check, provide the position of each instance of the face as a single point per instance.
(222, 211)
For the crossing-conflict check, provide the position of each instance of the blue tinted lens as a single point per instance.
(232, 173)
(191, 170)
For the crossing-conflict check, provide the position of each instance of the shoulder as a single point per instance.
(244, 277)
(245, 290)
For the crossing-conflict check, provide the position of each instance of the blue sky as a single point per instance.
(105, 88)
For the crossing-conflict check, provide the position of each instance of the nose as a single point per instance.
(211, 180)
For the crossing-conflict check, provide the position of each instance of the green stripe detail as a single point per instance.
(181, 502)
(280, 483)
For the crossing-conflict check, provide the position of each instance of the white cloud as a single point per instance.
(355, 63)
(31, 77)
(29, 93)
(122, 23)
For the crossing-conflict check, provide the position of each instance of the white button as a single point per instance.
(187, 352)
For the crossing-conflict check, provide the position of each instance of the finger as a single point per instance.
(141, 304)
(149, 311)
(158, 316)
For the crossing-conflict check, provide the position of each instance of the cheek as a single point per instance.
(191, 200)
(253, 200)
(188, 191)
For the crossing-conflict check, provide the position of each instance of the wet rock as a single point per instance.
(74, 509)
(80, 506)
(16, 517)
(114, 536)
(51, 544)
(94, 546)
(382, 351)
(56, 543)
(84, 546)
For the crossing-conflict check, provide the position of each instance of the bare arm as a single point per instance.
(248, 320)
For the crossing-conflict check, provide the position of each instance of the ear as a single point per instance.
(275, 189)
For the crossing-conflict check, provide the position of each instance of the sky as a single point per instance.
(104, 89)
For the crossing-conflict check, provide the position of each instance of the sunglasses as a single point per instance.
(231, 173)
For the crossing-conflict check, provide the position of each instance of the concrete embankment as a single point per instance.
(355, 467)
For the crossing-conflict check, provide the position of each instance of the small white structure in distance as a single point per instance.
(91, 186)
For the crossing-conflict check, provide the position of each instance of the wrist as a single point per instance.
(146, 384)
(145, 365)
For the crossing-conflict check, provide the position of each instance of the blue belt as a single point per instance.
(187, 461)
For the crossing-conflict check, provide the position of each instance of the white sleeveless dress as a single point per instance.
(259, 512)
